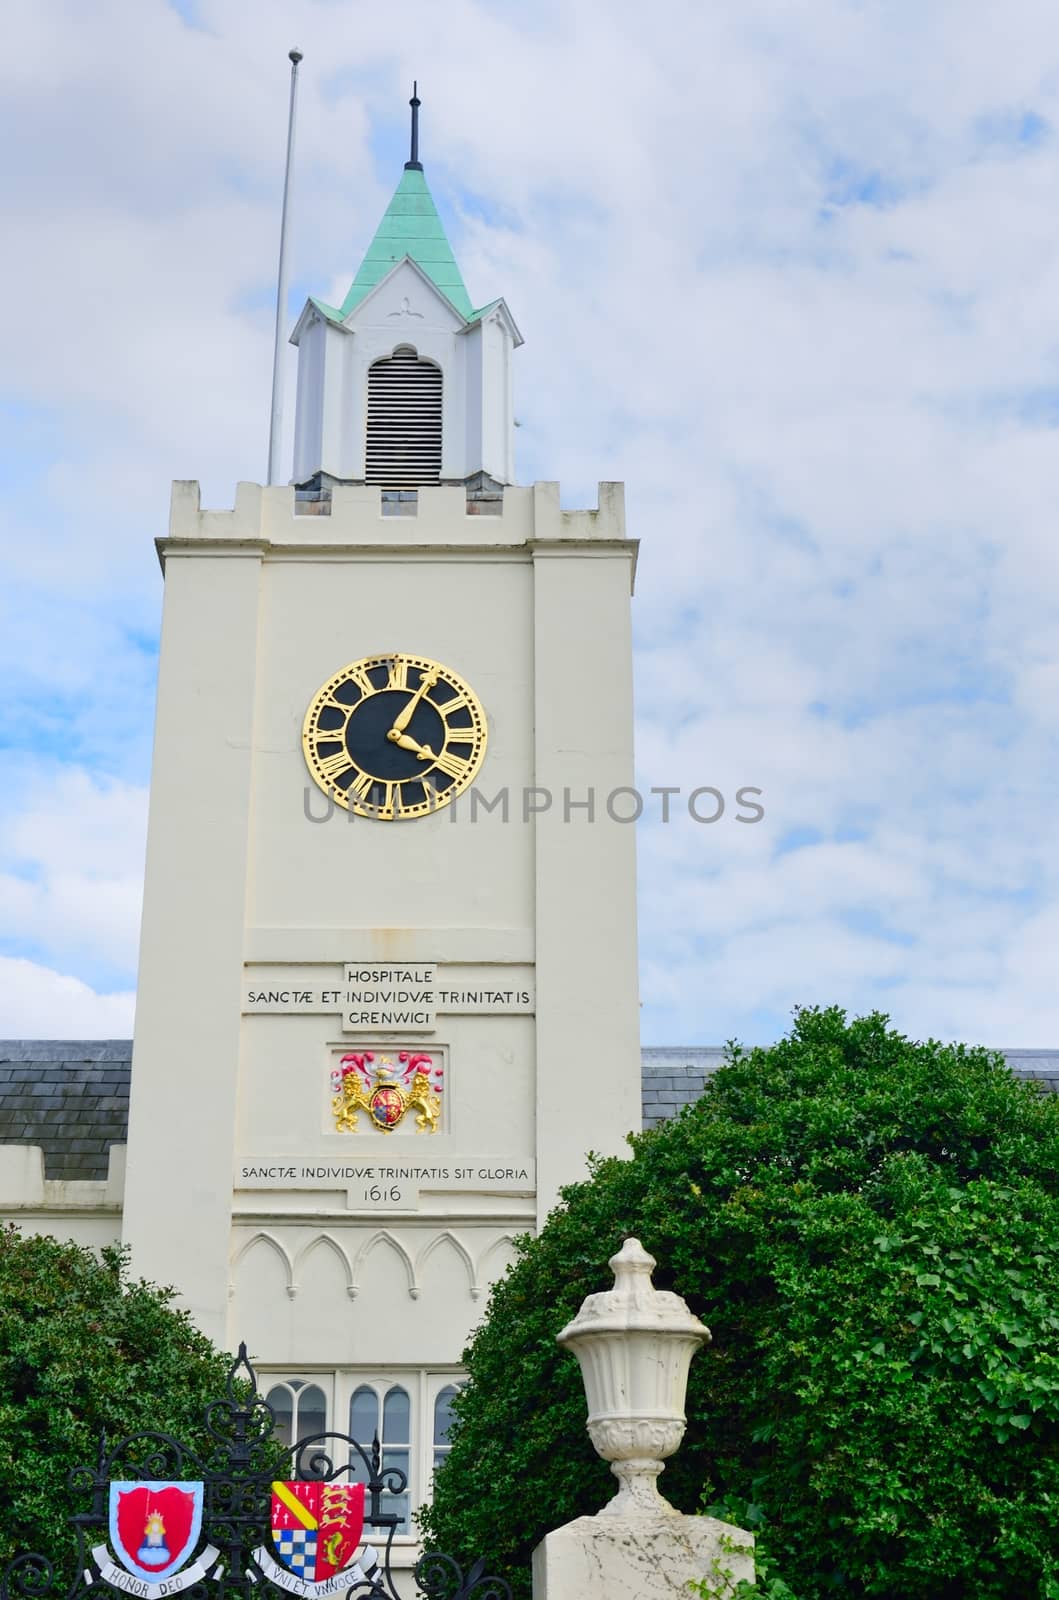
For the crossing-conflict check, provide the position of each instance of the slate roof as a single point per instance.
(71, 1097)
(672, 1077)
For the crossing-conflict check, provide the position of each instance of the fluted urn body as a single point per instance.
(634, 1344)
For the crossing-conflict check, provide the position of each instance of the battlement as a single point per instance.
(274, 519)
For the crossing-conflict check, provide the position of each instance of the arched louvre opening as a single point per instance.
(404, 421)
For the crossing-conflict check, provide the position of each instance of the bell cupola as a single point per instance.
(405, 383)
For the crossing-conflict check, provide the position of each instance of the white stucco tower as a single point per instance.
(387, 995)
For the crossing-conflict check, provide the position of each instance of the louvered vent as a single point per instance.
(404, 421)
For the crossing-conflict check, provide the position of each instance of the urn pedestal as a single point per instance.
(634, 1344)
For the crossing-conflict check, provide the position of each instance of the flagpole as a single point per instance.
(275, 429)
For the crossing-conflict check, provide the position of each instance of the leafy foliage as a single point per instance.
(870, 1227)
(83, 1351)
(720, 1583)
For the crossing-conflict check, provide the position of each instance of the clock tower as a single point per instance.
(387, 995)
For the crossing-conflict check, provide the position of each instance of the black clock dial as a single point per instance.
(371, 721)
(394, 736)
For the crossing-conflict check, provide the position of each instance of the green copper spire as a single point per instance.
(411, 227)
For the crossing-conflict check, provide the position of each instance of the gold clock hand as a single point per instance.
(423, 751)
(404, 716)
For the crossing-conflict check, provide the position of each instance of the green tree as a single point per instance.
(870, 1227)
(84, 1350)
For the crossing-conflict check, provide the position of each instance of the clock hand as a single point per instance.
(404, 716)
(423, 751)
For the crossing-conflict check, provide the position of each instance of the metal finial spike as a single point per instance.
(413, 163)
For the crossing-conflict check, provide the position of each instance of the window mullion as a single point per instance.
(421, 1421)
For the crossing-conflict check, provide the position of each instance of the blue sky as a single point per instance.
(790, 269)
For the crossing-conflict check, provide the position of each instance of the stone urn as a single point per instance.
(635, 1344)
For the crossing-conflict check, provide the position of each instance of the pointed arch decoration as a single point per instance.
(383, 1237)
(485, 1274)
(446, 1237)
(328, 1242)
(267, 1241)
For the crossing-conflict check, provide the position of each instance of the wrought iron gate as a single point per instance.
(228, 1556)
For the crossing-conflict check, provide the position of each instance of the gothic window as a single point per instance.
(443, 1420)
(395, 1437)
(404, 421)
(299, 1407)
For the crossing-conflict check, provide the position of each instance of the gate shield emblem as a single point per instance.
(154, 1526)
(316, 1527)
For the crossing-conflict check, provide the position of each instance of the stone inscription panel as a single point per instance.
(369, 996)
(388, 1184)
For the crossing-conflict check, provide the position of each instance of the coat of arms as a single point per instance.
(316, 1529)
(154, 1527)
(386, 1091)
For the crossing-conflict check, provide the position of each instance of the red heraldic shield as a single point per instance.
(316, 1527)
(155, 1525)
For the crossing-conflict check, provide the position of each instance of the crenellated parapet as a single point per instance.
(276, 521)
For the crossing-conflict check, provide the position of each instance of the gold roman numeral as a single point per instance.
(358, 676)
(358, 789)
(333, 767)
(451, 765)
(398, 678)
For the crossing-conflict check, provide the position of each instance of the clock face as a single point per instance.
(394, 736)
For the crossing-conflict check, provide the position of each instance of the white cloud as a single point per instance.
(36, 1003)
(71, 870)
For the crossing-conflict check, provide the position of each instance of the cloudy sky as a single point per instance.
(788, 267)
